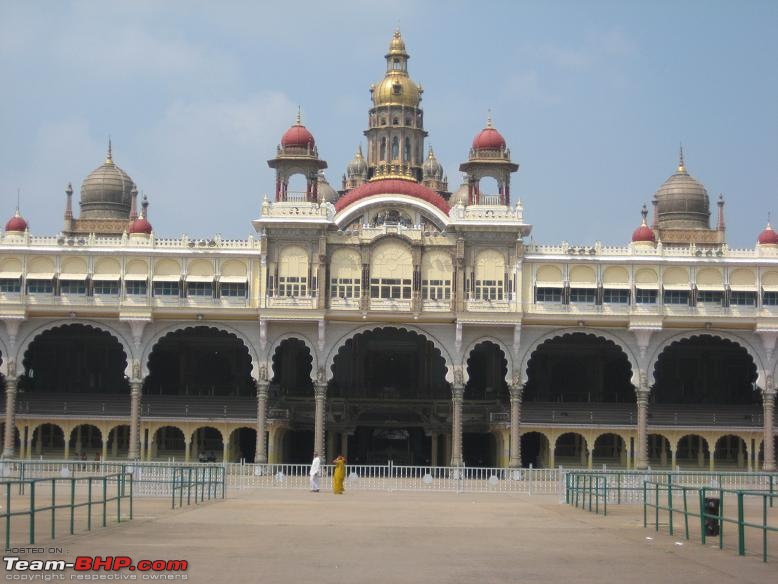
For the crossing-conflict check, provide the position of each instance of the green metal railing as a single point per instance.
(583, 487)
(696, 509)
(97, 496)
(202, 482)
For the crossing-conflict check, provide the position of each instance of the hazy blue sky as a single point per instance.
(592, 97)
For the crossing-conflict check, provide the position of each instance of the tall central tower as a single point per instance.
(395, 134)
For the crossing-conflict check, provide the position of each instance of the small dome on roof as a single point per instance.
(432, 168)
(489, 138)
(768, 236)
(682, 201)
(107, 192)
(141, 226)
(16, 224)
(358, 165)
(298, 136)
(461, 196)
(326, 194)
(643, 234)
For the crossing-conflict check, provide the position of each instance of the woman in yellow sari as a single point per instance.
(339, 475)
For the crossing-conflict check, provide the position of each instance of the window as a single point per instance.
(10, 285)
(395, 148)
(643, 296)
(167, 288)
(40, 287)
(382, 155)
(489, 289)
(436, 289)
(548, 295)
(615, 296)
(292, 286)
(770, 298)
(710, 297)
(742, 299)
(72, 287)
(345, 287)
(390, 288)
(199, 289)
(233, 289)
(407, 150)
(106, 288)
(136, 287)
(677, 297)
(582, 295)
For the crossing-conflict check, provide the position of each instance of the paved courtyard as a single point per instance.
(297, 536)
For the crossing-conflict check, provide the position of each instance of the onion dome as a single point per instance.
(767, 237)
(16, 224)
(393, 186)
(141, 226)
(396, 88)
(643, 234)
(432, 169)
(489, 138)
(107, 192)
(358, 165)
(325, 192)
(682, 201)
(298, 136)
(461, 196)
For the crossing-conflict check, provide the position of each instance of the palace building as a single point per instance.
(395, 319)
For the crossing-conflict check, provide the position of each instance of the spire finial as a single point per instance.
(299, 121)
(681, 165)
(18, 199)
(489, 118)
(109, 156)
(644, 213)
(359, 150)
(769, 225)
(432, 153)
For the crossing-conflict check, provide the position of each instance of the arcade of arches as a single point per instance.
(388, 397)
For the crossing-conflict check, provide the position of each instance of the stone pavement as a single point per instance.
(377, 537)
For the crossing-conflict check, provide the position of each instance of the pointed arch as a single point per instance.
(494, 340)
(598, 333)
(27, 340)
(437, 343)
(182, 326)
(300, 337)
(761, 378)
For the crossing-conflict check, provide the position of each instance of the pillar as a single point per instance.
(272, 439)
(642, 446)
(434, 450)
(552, 453)
(187, 449)
(590, 459)
(25, 442)
(226, 448)
(135, 388)
(673, 458)
(768, 404)
(701, 453)
(447, 447)
(10, 417)
(457, 396)
(260, 453)
(515, 439)
(320, 397)
(104, 455)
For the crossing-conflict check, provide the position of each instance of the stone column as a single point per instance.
(10, 416)
(135, 395)
(320, 396)
(768, 403)
(104, 455)
(260, 453)
(642, 445)
(515, 441)
(457, 397)
(673, 458)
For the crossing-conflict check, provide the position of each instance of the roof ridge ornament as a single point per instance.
(681, 165)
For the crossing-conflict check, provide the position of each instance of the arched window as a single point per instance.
(407, 150)
(391, 271)
(382, 155)
(395, 148)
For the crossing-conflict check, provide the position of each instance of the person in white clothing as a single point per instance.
(315, 472)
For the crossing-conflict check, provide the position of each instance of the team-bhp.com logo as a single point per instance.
(84, 568)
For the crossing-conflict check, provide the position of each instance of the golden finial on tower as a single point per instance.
(489, 118)
(109, 157)
(299, 120)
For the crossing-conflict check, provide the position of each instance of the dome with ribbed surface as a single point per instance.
(16, 224)
(358, 165)
(107, 192)
(461, 196)
(682, 202)
(432, 168)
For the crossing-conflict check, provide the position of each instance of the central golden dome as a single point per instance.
(397, 88)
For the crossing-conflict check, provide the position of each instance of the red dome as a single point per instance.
(392, 186)
(489, 139)
(140, 225)
(16, 223)
(643, 233)
(768, 236)
(299, 136)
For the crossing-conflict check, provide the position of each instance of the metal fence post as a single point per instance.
(741, 528)
(72, 504)
(32, 512)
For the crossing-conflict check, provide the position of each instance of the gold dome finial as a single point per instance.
(397, 44)
(299, 119)
(681, 165)
(109, 156)
(644, 213)
(489, 118)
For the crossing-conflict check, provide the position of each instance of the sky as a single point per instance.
(593, 99)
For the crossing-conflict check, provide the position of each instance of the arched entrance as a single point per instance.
(86, 441)
(48, 441)
(207, 445)
(80, 364)
(730, 453)
(118, 442)
(535, 450)
(200, 362)
(486, 392)
(659, 453)
(610, 451)
(570, 449)
(168, 443)
(389, 396)
(692, 452)
(243, 444)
